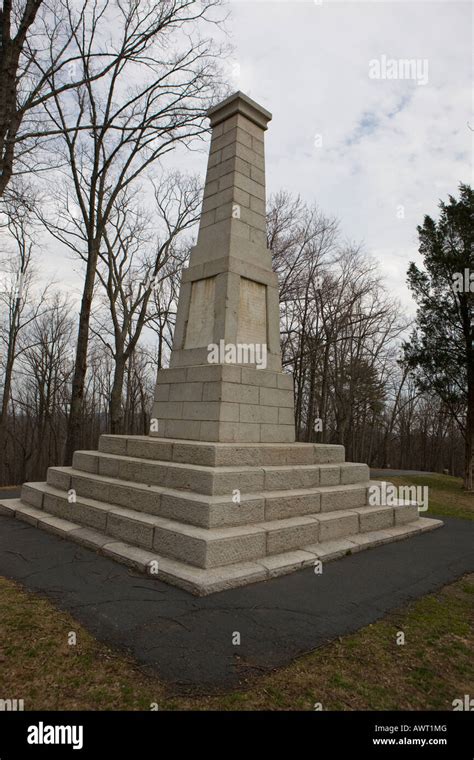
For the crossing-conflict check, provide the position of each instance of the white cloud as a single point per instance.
(385, 143)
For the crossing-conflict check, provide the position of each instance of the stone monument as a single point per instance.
(229, 302)
(219, 494)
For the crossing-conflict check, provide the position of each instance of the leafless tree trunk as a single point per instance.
(48, 49)
(15, 310)
(128, 129)
(131, 271)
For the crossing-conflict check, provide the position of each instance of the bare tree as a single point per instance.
(136, 114)
(338, 326)
(48, 49)
(37, 43)
(17, 308)
(46, 375)
(132, 272)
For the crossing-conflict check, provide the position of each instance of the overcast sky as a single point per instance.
(386, 143)
(376, 153)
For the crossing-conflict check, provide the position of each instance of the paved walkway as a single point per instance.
(187, 640)
(10, 493)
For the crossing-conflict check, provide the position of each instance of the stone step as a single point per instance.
(295, 502)
(217, 546)
(201, 581)
(220, 454)
(186, 507)
(219, 480)
(199, 546)
(204, 510)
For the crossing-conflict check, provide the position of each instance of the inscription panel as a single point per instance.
(200, 326)
(252, 325)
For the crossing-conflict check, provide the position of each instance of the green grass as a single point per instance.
(446, 496)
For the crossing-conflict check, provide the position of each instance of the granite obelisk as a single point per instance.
(225, 381)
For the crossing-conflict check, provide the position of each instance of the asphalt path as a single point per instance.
(187, 641)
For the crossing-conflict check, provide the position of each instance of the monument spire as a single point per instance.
(227, 325)
(233, 211)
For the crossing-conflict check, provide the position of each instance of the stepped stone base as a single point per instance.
(209, 516)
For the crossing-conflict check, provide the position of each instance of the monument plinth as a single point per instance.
(220, 495)
(225, 381)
